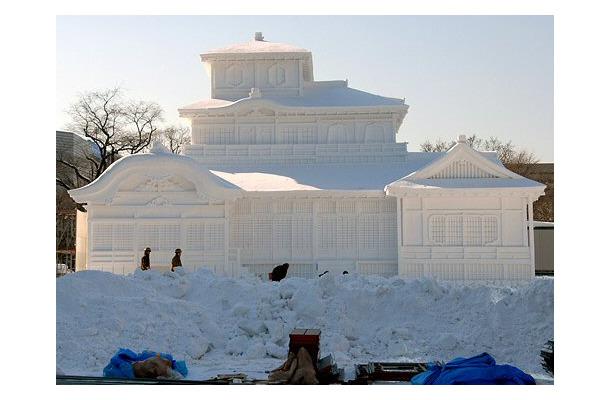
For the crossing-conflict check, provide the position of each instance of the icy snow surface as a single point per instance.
(222, 325)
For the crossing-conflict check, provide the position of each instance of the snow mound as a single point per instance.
(224, 325)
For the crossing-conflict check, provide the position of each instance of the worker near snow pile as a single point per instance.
(176, 262)
(279, 272)
(145, 260)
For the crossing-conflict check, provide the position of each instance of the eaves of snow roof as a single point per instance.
(482, 183)
(317, 95)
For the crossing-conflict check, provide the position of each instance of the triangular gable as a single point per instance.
(462, 162)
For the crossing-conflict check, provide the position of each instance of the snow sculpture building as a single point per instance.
(283, 168)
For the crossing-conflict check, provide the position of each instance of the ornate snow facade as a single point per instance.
(286, 169)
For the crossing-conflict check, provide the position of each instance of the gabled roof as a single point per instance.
(462, 167)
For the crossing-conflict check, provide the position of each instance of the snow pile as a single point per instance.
(225, 325)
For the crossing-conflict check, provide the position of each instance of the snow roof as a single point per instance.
(370, 176)
(317, 94)
(256, 46)
(267, 178)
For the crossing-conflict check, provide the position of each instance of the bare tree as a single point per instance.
(439, 146)
(115, 126)
(506, 150)
(175, 138)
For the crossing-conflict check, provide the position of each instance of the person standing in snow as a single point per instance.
(176, 262)
(145, 264)
(279, 272)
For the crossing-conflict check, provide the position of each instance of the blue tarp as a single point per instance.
(477, 370)
(120, 364)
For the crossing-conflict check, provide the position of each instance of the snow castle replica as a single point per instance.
(283, 168)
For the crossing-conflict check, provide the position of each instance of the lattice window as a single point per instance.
(437, 229)
(382, 269)
(388, 206)
(218, 135)
(307, 136)
(458, 230)
(242, 207)
(290, 136)
(346, 207)
(283, 207)
(241, 233)
(370, 207)
(369, 231)
(347, 232)
(194, 236)
(453, 230)
(490, 229)
(472, 231)
(262, 233)
(282, 233)
(148, 236)
(159, 236)
(101, 237)
(327, 232)
(214, 237)
(122, 237)
(387, 232)
(302, 229)
(337, 134)
(298, 135)
(327, 207)
(303, 207)
(262, 207)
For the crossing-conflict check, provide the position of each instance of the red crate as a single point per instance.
(307, 338)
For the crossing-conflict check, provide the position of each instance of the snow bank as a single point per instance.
(224, 325)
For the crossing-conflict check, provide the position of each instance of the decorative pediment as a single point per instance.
(463, 162)
(160, 183)
(463, 169)
(155, 179)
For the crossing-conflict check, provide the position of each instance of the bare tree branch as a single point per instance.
(116, 126)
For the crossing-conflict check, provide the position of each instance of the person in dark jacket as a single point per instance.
(145, 260)
(176, 262)
(279, 272)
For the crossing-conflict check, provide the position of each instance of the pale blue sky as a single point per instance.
(484, 75)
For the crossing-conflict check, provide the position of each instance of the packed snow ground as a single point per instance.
(221, 325)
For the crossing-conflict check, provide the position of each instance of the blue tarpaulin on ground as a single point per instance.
(477, 370)
(120, 364)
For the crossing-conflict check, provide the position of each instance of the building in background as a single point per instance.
(76, 150)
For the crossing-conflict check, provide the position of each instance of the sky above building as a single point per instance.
(483, 75)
